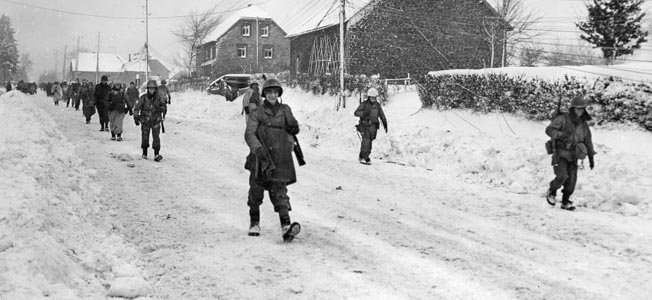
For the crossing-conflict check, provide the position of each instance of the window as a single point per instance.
(268, 52)
(241, 50)
(264, 31)
(246, 30)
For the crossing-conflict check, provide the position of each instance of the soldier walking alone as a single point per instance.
(149, 112)
(270, 163)
(369, 112)
(571, 140)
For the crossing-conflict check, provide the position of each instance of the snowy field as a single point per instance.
(451, 208)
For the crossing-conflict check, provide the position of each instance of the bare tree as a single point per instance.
(193, 32)
(521, 19)
(493, 34)
(531, 55)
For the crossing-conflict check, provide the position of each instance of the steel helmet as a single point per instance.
(163, 81)
(104, 78)
(151, 84)
(578, 101)
(272, 83)
(372, 92)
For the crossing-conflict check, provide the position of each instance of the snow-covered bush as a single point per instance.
(611, 101)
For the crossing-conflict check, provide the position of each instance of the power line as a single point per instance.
(120, 18)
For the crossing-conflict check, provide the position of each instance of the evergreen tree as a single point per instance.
(8, 50)
(614, 26)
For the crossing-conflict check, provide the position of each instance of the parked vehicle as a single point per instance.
(230, 85)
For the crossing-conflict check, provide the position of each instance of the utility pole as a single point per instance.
(63, 75)
(77, 60)
(97, 62)
(56, 61)
(146, 40)
(257, 50)
(342, 16)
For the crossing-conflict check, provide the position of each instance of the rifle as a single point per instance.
(297, 151)
(270, 167)
(162, 125)
(555, 157)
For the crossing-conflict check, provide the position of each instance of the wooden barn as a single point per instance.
(396, 37)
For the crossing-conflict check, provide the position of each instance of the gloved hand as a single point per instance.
(260, 153)
(126, 110)
(591, 162)
(292, 129)
(136, 122)
(385, 129)
(131, 112)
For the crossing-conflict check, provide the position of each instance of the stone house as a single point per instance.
(247, 41)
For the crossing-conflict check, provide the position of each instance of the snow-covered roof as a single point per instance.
(155, 66)
(327, 16)
(108, 62)
(250, 12)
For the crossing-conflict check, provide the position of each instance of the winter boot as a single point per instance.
(144, 153)
(567, 205)
(254, 229)
(119, 139)
(112, 136)
(367, 160)
(157, 157)
(101, 126)
(550, 197)
(290, 231)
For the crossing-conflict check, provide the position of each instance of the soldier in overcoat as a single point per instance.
(269, 135)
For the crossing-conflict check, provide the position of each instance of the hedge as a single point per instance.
(610, 100)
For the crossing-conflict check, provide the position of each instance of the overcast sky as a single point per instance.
(43, 33)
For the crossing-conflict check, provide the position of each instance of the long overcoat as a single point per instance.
(267, 127)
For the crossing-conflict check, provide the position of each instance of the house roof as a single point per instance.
(327, 16)
(155, 66)
(250, 12)
(88, 62)
(354, 10)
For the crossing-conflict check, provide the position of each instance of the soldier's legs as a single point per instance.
(561, 175)
(569, 184)
(278, 194)
(254, 199)
(118, 120)
(365, 147)
(156, 140)
(112, 115)
(144, 142)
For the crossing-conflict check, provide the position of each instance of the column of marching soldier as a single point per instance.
(112, 101)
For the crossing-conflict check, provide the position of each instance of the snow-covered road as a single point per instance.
(384, 231)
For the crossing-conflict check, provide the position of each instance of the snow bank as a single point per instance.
(498, 150)
(53, 242)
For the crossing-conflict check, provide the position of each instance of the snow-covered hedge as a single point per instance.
(611, 101)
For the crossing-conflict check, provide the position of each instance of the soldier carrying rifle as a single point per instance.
(269, 135)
